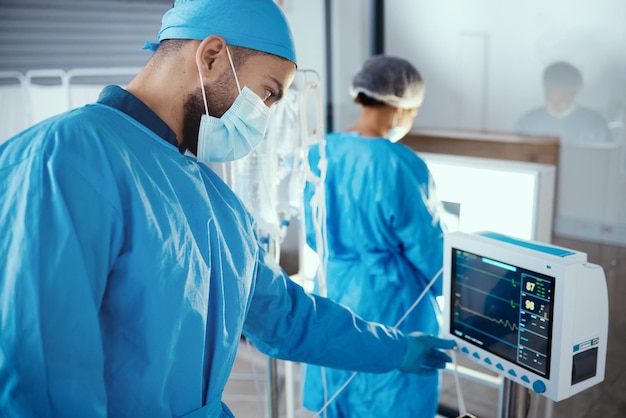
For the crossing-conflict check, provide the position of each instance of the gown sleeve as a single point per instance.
(57, 223)
(287, 323)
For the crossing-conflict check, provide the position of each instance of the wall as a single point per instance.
(306, 19)
(44, 42)
(65, 34)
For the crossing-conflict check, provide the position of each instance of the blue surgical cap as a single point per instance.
(253, 24)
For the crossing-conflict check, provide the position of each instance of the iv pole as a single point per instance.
(271, 375)
(516, 400)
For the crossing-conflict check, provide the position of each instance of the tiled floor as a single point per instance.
(246, 396)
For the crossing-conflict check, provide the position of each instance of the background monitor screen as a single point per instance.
(504, 309)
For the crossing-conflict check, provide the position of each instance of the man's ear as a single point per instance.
(211, 57)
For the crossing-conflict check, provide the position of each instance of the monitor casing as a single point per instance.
(578, 315)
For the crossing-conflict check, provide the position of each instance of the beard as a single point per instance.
(219, 99)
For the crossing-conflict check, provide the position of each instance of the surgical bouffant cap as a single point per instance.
(390, 80)
(253, 24)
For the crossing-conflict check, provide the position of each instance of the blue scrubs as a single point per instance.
(129, 272)
(385, 243)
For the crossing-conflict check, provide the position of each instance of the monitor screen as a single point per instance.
(502, 308)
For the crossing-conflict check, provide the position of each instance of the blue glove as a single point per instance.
(423, 355)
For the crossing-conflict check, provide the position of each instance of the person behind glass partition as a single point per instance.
(561, 115)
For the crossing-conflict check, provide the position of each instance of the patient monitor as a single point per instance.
(534, 313)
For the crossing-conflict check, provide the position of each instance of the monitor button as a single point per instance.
(476, 355)
(487, 360)
(525, 379)
(512, 373)
(465, 350)
(539, 386)
(499, 366)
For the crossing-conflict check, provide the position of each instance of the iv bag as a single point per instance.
(253, 179)
(284, 130)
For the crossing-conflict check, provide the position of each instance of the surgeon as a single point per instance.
(384, 239)
(129, 270)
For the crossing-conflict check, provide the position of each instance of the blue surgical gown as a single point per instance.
(129, 272)
(385, 243)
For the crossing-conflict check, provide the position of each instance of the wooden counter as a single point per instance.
(497, 145)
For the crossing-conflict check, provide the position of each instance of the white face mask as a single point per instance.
(397, 132)
(240, 129)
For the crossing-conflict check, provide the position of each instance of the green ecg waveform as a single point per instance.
(504, 322)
